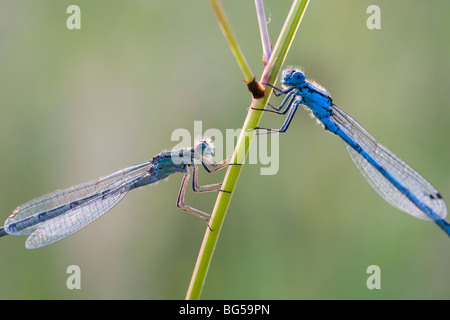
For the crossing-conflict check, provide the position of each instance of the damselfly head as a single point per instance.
(292, 76)
(204, 147)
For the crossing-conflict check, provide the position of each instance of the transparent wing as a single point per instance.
(89, 198)
(73, 220)
(409, 178)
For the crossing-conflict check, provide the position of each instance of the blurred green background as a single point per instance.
(78, 104)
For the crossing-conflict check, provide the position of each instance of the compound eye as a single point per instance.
(298, 77)
(205, 149)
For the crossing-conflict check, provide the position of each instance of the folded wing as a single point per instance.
(403, 173)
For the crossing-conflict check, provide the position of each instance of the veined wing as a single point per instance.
(75, 219)
(403, 173)
(32, 215)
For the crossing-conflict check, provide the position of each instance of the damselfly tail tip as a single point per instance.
(444, 226)
(2, 232)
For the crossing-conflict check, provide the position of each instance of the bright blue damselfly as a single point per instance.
(391, 177)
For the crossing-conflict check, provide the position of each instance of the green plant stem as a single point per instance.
(228, 34)
(252, 120)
